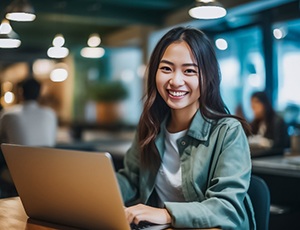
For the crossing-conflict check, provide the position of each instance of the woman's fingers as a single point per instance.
(142, 212)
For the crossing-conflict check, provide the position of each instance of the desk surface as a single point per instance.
(13, 216)
(277, 165)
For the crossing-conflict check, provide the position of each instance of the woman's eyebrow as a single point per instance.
(166, 62)
(171, 63)
(190, 64)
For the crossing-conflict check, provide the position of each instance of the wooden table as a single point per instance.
(13, 216)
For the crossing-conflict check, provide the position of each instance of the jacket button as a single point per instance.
(183, 143)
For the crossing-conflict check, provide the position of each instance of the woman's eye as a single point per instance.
(165, 69)
(190, 71)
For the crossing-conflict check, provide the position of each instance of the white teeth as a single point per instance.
(177, 94)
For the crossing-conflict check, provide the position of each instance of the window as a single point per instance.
(242, 68)
(287, 48)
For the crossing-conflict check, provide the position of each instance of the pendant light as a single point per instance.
(207, 9)
(59, 73)
(8, 38)
(93, 51)
(58, 51)
(20, 10)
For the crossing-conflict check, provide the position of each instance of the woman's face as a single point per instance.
(258, 108)
(177, 78)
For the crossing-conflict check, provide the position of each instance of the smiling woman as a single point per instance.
(177, 81)
(189, 165)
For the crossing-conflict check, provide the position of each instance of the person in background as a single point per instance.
(270, 136)
(27, 123)
(189, 165)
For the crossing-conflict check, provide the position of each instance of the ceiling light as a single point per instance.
(59, 74)
(8, 38)
(92, 51)
(207, 9)
(20, 10)
(58, 41)
(94, 40)
(58, 51)
(279, 33)
(221, 44)
(9, 97)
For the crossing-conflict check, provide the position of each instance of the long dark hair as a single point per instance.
(155, 108)
(269, 112)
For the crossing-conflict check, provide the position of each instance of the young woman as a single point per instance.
(269, 129)
(189, 164)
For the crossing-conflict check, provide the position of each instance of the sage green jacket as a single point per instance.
(216, 168)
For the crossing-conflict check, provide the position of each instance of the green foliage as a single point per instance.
(108, 91)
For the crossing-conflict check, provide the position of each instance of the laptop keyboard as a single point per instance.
(147, 226)
(141, 225)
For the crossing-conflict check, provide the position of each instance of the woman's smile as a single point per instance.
(177, 94)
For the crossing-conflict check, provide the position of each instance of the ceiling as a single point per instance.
(77, 19)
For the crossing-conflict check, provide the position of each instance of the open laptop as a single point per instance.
(67, 187)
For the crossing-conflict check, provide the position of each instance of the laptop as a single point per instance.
(68, 187)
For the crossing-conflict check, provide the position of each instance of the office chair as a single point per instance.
(260, 196)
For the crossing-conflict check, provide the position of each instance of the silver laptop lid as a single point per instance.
(67, 187)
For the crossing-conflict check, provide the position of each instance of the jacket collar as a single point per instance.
(199, 128)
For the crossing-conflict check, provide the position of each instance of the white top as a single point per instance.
(169, 181)
(262, 129)
(28, 124)
(259, 140)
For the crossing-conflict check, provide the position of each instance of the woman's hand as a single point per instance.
(140, 212)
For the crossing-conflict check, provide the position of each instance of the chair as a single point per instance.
(260, 196)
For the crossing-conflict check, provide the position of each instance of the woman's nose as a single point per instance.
(176, 79)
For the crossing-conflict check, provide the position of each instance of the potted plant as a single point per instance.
(108, 97)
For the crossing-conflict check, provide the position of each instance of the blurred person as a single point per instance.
(189, 164)
(270, 136)
(27, 123)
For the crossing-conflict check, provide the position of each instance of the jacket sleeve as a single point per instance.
(227, 186)
(128, 177)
